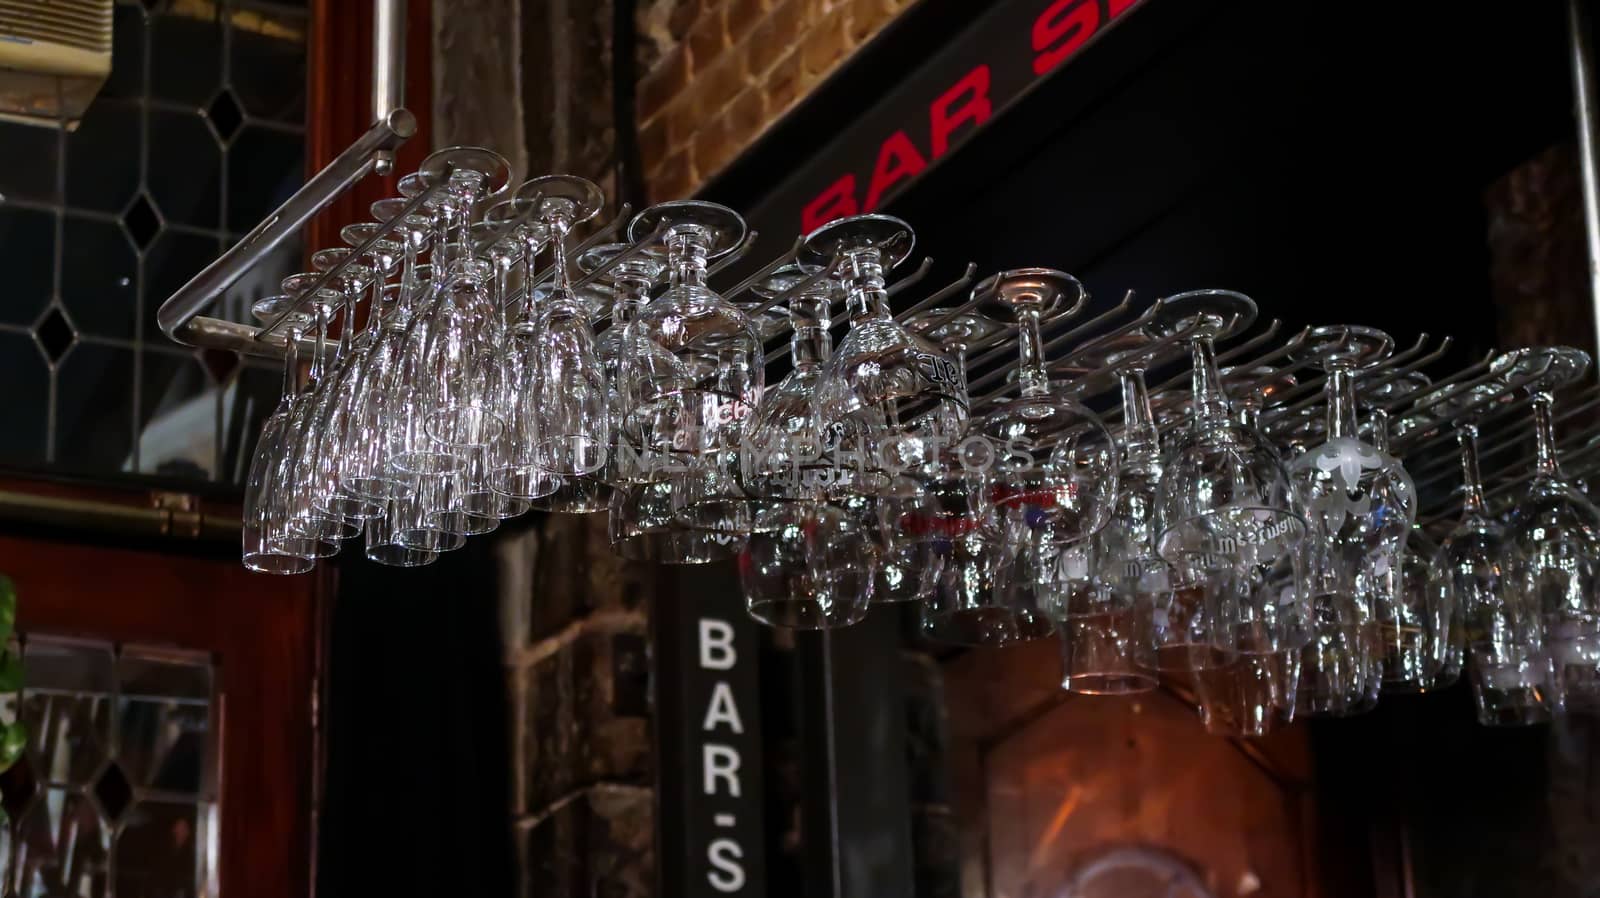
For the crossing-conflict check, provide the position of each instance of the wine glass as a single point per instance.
(1510, 671)
(364, 465)
(1360, 505)
(569, 388)
(269, 545)
(1225, 514)
(1554, 534)
(629, 282)
(892, 401)
(807, 564)
(695, 369)
(988, 594)
(1055, 468)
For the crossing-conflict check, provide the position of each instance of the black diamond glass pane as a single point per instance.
(113, 792)
(55, 334)
(264, 47)
(141, 221)
(225, 115)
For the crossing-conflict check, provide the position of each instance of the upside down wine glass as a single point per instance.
(808, 564)
(269, 545)
(1223, 504)
(1554, 531)
(1359, 504)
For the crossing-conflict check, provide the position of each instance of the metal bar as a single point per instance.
(411, 206)
(1581, 57)
(589, 242)
(762, 272)
(934, 299)
(1224, 359)
(912, 279)
(388, 67)
(1393, 365)
(1008, 341)
(59, 511)
(176, 314)
(1441, 470)
(633, 250)
(734, 256)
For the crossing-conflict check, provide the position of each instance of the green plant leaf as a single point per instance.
(10, 671)
(8, 607)
(13, 739)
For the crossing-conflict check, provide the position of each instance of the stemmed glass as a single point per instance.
(1360, 505)
(364, 465)
(1419, 626)
(695, 369)
(1224, 509)
(441, 397)
(1510, 671)
(312, 517)
(569, 389)
(334, 404)
(808, 564)
(1249, 695)
(1554, 532)
(269, 545)
(892, 401)
(1054, 477)
(629, 282)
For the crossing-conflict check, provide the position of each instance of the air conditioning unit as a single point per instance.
(54, 56)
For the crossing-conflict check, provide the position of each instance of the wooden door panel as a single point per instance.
(261, 634)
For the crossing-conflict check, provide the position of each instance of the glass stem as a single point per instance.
(866, 296)
(560, 277)
(1544, 431)
(1467, 437)
(810, 345)
(1340, 393)
(1380, 430)
(687, 249)
(291, 363)
(1206, 381)
(375, 305)
(322, 345)
(1031, 373)
(347, 323)
(1140, 436)
(633, 291)
(532, 246)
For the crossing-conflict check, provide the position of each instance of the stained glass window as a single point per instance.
(116, 794)
(198, 133)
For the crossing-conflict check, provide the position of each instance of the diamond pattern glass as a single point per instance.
(198, 133)
(116, 795)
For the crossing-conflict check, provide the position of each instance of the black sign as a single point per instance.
(1004, 53)
(709, 731)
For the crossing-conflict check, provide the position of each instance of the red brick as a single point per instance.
(653, 145)
(827, 43)
(681, 120)
(747, 116)
(664, 82)
(676, 178)
(707, 40)
(777, 34)
(787, 83)
(715, 88)
(744, 15)
(866, 18)
(713, 145)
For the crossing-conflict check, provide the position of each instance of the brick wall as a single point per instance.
(718, 72)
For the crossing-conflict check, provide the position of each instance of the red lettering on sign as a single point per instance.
(898, 160)
(838, 201)
(1060, 30)
(966, 102)
(1118, 7)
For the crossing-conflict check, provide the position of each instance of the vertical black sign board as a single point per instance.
(709, 828)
